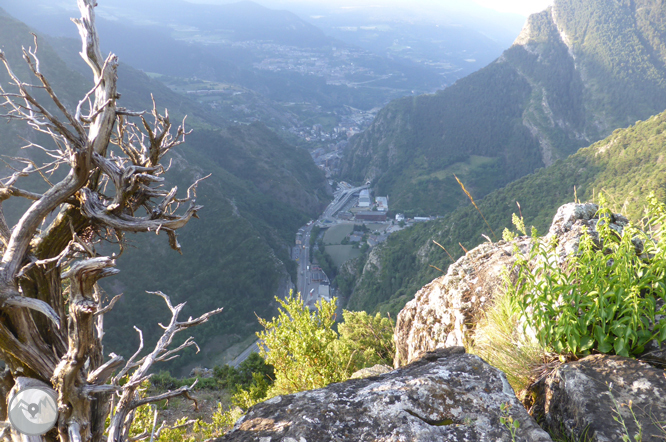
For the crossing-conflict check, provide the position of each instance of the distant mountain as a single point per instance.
(454, 38)
(240, 21)
(577, 71)
(626, 167)
(227, 43)
(237, 255)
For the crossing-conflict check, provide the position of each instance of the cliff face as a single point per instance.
(577, 71)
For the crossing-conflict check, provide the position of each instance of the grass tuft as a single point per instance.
(501, 340)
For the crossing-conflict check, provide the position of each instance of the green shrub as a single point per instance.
(243, 377)
(365, 340)
(308, 353)
(164, 381)
(299, 344)
(604, 298)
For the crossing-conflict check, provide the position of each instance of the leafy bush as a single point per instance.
(226, 377)
(243, 377)
(604, 298)
(366, 340)
(299, 344)
(308, 353)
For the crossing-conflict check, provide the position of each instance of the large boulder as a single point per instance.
(444, 313)
(445, 396)
(590, 399)
(571, 220)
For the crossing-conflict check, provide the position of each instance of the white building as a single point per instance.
(382, 203)
(364, 198)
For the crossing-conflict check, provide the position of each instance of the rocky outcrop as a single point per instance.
(447, 395)
(590, 400)
(444, 313)
(571, 220)
(375, 370)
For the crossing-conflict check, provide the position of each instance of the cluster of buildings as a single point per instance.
(367, 208)
(335, 65)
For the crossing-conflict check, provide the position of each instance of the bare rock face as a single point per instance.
(576, 399)
(444, 312)
(375, 370)
(571, 220)
(446, 396)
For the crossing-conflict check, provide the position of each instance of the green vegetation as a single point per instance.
(148, 421)
(501, 341)
(302, 350)
(336, 247)
(606, 298)
(510, 118)
(508, 421)
(308, 353)
(626, 166)
(342, 253)
(300, 345)
(335, 235)
(224, 377)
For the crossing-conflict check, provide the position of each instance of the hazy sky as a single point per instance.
(523, 7)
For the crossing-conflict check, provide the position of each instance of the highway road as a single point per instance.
(254, 348)
(339, 202)
(305, 284)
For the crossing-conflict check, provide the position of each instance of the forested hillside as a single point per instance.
(577, 71)
(261, 190)
(626, 167)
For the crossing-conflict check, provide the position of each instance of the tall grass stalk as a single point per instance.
(469, 195)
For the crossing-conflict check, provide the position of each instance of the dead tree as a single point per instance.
(51, 309)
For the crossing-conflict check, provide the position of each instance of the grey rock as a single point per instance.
(445, 396)
(576, 400)
(444, 312)
(568, 214)
(656, 358)
(375, 370)
(572, 219)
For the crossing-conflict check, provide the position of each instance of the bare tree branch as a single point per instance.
(128, 400)
(182, 391)
(51, 307)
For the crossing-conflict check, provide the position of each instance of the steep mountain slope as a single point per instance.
(237, 255)
(578, 70)
(626, 167)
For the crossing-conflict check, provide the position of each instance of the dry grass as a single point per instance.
(501, 340)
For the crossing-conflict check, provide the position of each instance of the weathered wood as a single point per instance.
(129, 401)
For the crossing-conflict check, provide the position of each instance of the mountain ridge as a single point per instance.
(626, 166)
(554, 98)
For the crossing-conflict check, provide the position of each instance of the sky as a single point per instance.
(522, 7)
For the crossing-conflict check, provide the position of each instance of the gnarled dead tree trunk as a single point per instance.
(51, 311)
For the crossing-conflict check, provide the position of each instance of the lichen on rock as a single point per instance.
(447, 395)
